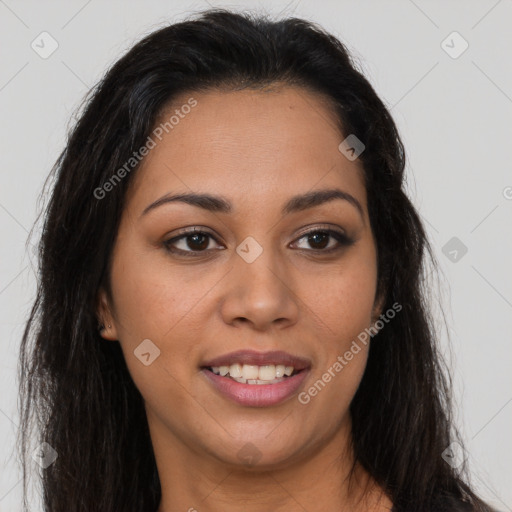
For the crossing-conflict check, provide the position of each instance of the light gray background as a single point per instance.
(455, 119)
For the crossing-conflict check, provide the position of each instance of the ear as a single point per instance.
(108, 330)
(378, 306)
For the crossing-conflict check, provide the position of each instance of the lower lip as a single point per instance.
(256, 395)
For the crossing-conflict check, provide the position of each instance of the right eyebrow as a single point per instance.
(205, 201)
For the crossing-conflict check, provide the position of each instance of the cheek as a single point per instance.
(152, 297)
(342, 304)
(151, 304)
(343, 299)
(345, 310)
(156, 302)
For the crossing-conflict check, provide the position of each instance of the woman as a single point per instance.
(230, 210)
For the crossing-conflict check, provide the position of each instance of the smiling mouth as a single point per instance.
(250, 389)
(255, 374)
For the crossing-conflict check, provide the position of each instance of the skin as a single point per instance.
(256, 149)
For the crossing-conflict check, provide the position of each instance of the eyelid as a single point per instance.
(339, 234)
(313, 228)
(343, 240)
(191, 230)
(183, 233)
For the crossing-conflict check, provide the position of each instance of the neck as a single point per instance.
(318, 478)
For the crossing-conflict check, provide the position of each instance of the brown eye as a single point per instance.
(319, 240)
(190, 243)
(325, 240)
(198, 242)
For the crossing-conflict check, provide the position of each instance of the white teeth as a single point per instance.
(267, 372)
(253, 374)
(258, 381)
(235, 370)
(250, 371)
(288, 370)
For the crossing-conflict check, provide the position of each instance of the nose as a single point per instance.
(260, 293)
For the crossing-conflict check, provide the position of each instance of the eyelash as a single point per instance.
(342, 239)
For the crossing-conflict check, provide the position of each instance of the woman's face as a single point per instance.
(252, 279)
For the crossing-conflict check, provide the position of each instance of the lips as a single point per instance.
(249, 390)
(256, 395)
(251, 357)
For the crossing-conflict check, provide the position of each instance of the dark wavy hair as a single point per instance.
(75, 389)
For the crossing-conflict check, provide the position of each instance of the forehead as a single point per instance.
(251, 143)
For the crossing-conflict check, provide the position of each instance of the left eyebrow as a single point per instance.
(318, 197)
(297, 203)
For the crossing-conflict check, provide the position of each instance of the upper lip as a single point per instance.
(253, 357)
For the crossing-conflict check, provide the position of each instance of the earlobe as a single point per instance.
(106, 325)
(378, 307)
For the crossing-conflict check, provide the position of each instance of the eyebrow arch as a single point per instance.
(295, 204)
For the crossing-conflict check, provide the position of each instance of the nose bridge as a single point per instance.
(260, 271)
(259, 292)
